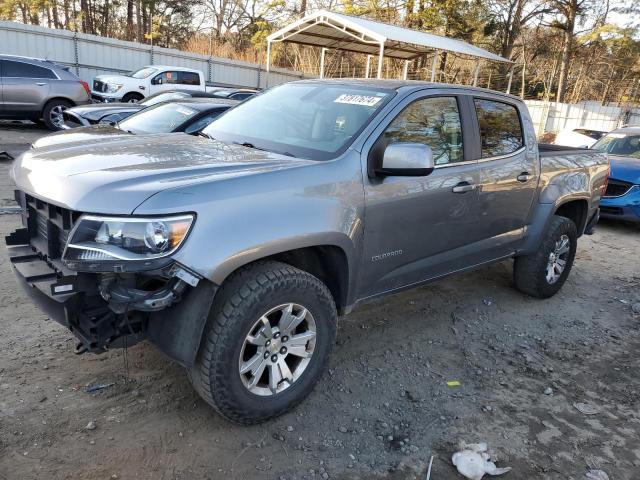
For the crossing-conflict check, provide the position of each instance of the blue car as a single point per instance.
(622, 198)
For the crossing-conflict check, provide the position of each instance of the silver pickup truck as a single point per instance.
(234, 252)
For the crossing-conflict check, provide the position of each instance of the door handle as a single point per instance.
(41, 84)
(524, 177)
(463, 187)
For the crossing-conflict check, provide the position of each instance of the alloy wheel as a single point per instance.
(56, 115)
(558, 259)
(277, 349)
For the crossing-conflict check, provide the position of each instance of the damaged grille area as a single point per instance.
(48, 225)
(617, 188)
(99, 86)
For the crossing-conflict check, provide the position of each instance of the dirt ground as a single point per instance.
(381, 410)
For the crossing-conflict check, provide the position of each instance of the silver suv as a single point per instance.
(38, 90)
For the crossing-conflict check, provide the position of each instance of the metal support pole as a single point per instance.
(510, 80)
(380, 60)
(324, 51)
(268, 56)
(151, 35)
(75, 52)
(366, 74)
(405, 71)
(476, 73)
(268, 64)
(434, 65)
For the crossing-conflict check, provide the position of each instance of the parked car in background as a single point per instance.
(234, 93)
(190, 115)
(622, 199)
(38, 90)
(115, 112)
(144, 82)
(235, 251)
(580, 137)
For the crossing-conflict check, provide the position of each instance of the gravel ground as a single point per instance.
(382, 409)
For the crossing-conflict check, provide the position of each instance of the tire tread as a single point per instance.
(528, 270)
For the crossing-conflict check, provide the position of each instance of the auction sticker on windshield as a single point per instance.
(366, 100)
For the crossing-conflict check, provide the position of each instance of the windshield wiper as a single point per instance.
(248, 145)
(286, 154)
(205, 135)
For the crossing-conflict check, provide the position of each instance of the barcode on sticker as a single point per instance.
(368, 101)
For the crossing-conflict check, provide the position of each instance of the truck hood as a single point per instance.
(626, 169)
(95, 111)
(116, 175)
(116, 79)
(80, 136)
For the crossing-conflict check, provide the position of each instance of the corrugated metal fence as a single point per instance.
(553, 116)
(91, 55)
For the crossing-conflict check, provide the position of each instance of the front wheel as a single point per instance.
(543, 273)
(266, 343)
(132, 97)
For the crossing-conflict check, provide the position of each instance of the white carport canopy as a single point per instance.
(329, 30)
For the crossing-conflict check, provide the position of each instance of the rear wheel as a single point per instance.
(543, 273)
(52, 113)
(132, 97)
(266, 343)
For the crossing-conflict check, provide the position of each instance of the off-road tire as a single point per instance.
(529, 271)
(46, 112)
(240, 302)
(132, 97)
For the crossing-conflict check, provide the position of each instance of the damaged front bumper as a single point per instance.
(107, 310)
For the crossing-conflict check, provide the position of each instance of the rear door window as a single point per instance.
(25, 70)
(500, 128)
(189, 78)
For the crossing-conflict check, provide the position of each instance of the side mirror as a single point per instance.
(407, 160)
(157, 81)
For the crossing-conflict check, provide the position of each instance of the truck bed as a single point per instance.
(551, 150)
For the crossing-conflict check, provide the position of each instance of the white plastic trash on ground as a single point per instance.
(473, 461)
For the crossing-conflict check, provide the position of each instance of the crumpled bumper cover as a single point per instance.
(73, 300)
(65, 297)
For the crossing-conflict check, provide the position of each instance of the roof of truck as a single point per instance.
(630, 130)
(172, 67)
(403, 84)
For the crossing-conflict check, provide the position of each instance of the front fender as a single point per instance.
(244, 219)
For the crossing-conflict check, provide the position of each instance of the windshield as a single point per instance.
(163, 118)
(163, 97)
(305, 120)
(619, 144)
(142, 73)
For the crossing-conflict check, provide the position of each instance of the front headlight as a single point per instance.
(113, 87)
(104, 239)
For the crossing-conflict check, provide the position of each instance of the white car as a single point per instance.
(146, 81)
(580, 137)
